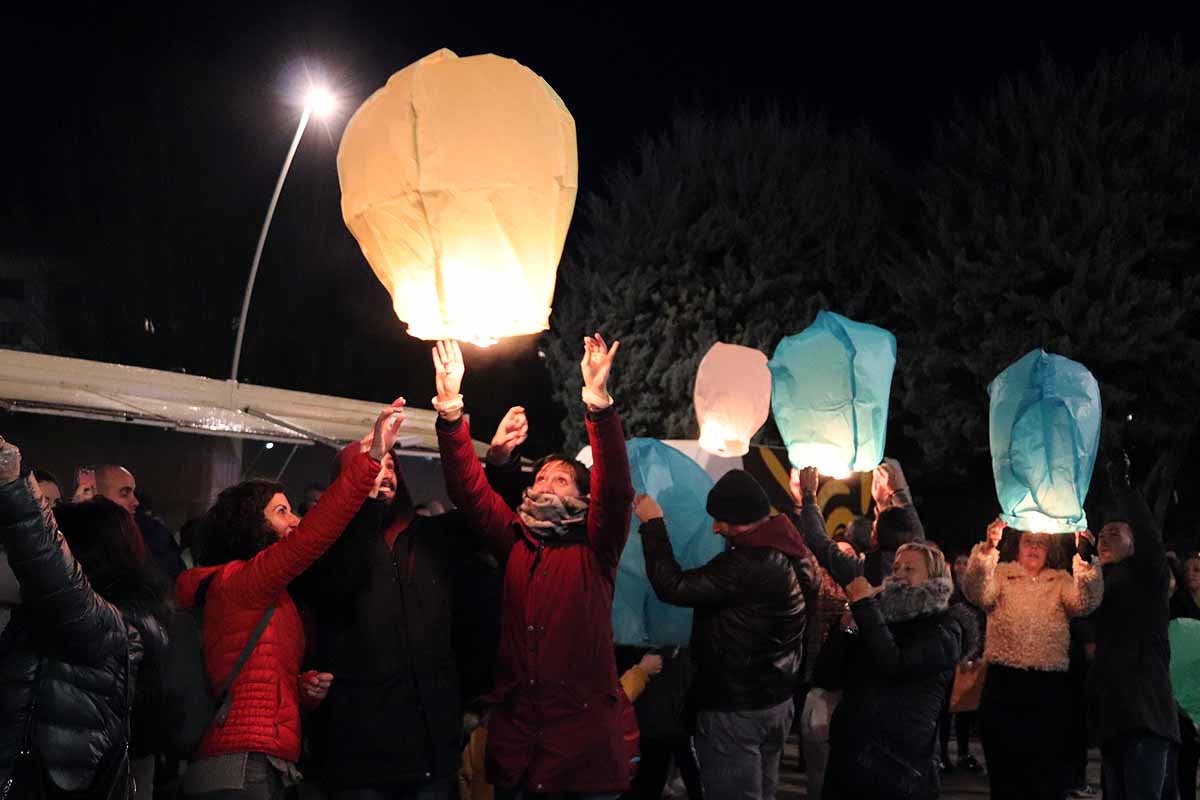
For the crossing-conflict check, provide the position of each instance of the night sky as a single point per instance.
(142, 142)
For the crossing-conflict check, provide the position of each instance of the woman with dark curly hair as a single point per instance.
(254, 546)
(85, 644)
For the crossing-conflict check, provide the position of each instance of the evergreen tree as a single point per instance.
(1064, 215)
(735, 228)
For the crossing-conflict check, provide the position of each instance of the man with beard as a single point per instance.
(382, 602)
(394, 602)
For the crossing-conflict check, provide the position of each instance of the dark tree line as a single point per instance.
(1061, 213)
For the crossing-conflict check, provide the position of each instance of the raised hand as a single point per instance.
(887, 479)
(802, 482)
(596, 366)
(512, 432)
(10, 461)
(646, 509)
(387, 429)
(995, 532)
(448, 364)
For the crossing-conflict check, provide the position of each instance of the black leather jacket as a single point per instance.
(66, 656)
(748, 630)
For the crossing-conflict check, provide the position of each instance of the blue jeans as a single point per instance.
(1134, 767)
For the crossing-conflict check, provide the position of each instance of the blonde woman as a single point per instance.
(894, 665)
(1024, 714)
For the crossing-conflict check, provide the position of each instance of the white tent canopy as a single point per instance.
(71, 387)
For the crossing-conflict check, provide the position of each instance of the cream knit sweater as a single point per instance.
(1026, 616)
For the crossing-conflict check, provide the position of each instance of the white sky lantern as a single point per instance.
(732, 398)
(458, 181)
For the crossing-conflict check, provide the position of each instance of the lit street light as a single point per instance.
(318, 101)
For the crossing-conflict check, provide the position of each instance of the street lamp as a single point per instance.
(317, 101)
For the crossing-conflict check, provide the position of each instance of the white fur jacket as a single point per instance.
(1027, 617)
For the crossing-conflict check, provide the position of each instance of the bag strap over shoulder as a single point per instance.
(226, 697)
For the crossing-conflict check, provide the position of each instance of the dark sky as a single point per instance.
(142, 142)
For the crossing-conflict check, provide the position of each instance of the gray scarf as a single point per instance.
(899, 602)
(549, 516)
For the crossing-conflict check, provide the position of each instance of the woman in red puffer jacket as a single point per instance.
(252, 548)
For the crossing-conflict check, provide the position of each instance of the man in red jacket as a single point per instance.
(555, 722)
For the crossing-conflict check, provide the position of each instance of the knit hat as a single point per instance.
(738, 499)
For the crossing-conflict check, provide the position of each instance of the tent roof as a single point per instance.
(72, 387)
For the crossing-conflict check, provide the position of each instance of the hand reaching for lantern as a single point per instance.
(596, 366)
(448, 364)
(651, 664)
(803, 481)
(512, 432)
(387, 429)
(646, 509)
(887, 479)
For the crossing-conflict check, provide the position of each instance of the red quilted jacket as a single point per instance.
(264, 716)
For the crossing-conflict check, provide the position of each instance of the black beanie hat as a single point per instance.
(738, 499)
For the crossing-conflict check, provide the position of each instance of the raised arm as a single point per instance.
(53, 585)
(979, 585)
(1082, 596)
(889, 488)
(267, 575)
(611, 488)
(465, 480)
(714, 584)
(811, 524)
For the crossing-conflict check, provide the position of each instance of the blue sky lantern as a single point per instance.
(830, 388)
(1044, 430)
(681, 487)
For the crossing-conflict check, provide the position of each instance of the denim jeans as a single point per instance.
(739, 751)
(1134, 767)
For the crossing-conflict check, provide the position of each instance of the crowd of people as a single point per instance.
(369, 649)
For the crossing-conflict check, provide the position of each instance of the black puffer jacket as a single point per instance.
(65, 657)
(748, 630)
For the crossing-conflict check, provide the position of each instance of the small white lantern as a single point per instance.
(732, 398)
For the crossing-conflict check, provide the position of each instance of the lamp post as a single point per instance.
(320, 102)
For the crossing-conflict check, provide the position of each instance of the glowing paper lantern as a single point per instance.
(458, 181)
(680, 487)
(732, 398)
(831, 384)
(1044, 431)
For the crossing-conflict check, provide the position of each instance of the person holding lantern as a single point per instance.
(893, 662)
(747, 634)
(1024, 714)
(556, 713)
(1131, 707)
(896, 521)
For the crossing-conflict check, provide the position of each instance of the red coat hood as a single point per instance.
(778, 533)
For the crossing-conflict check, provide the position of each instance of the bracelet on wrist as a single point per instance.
(447, 409)
(596, 400)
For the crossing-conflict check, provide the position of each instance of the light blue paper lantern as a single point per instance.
(1044, 431)
(830, 388)
(680, 487)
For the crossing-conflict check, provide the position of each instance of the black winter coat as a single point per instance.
(894, 679)
(68, 657)
(385, 622)
(747, 641)
(1129, 684)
